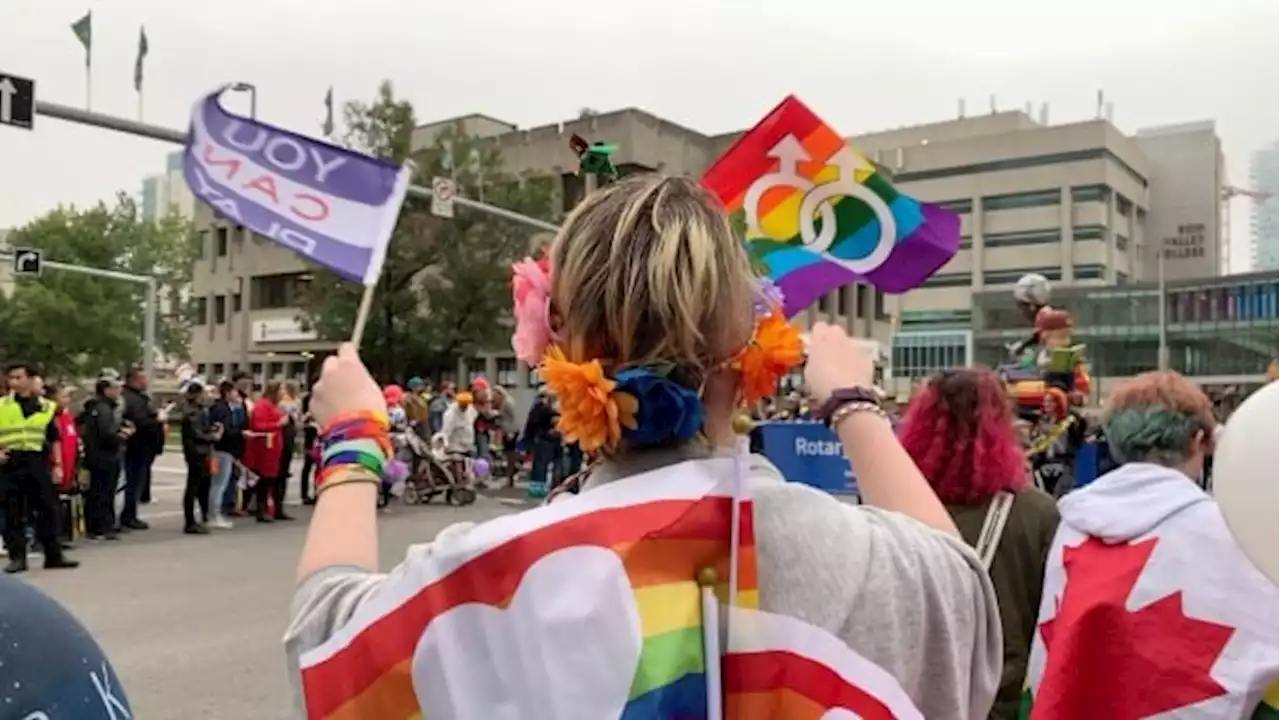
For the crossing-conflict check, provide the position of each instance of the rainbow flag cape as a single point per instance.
(780, 668)
(817, 215)
(588, 608)
(488, 625)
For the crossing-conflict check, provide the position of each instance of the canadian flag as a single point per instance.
(1150, 609)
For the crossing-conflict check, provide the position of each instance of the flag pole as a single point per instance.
(362, 314)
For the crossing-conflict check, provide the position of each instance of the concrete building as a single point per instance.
(167, 191)
(1069, 202)
(1187, 172)
(1264, 225)
(246, 288)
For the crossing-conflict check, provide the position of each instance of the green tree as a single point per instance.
(444, 290)
(72, 325)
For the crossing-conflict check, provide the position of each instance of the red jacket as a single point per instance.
(69, 447)
(262, 453)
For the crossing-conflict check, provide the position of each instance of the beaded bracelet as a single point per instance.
(354, 439)
(346, 475)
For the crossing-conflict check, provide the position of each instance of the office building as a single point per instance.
(1069, 202)
(1187, 174)
(167, 192)
(1220, 331)
(247, 289)
(1264, 223)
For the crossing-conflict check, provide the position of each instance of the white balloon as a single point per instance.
(1246, 477)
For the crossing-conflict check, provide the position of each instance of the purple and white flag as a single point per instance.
(334, 206)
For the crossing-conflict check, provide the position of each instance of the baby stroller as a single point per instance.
(429, 475)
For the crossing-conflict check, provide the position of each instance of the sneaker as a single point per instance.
(134, 524)
(221, 523)
(196, 529)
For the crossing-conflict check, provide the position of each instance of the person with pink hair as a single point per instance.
(959, 428)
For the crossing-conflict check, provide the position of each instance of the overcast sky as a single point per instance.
(712, 65)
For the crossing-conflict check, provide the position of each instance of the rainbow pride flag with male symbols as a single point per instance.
(817, 215)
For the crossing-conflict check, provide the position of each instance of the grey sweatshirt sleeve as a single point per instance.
(912, 600)
(328, 598)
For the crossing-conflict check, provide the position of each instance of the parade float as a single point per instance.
(1048, 380)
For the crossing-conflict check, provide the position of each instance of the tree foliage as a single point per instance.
(444, 290)
(72, 325)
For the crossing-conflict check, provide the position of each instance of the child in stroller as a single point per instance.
(432, 472)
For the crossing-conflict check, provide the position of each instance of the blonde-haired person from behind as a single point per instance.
(648, 270)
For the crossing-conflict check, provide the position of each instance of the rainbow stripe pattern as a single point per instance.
(781, 668)
(816, 215)
(663, 540)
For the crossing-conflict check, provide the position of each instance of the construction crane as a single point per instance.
(1229, 193)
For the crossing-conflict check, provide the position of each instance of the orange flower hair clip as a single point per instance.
(775, 348)
(644, 405)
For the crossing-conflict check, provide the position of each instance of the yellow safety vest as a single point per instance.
(23, 434)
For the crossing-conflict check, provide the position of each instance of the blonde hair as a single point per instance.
(648, 270)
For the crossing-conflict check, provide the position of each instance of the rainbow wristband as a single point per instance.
(356, 439)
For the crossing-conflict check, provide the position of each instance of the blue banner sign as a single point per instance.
(809, 453)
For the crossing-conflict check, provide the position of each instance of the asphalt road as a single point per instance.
(192, 624)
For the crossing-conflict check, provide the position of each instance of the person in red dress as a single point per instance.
(262, 452)
(66, 465)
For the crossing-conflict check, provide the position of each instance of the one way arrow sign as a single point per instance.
(17, 101)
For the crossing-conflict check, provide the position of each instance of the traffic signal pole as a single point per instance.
(149, 305)
(169, 135)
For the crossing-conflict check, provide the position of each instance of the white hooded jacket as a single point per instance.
(1151, 606)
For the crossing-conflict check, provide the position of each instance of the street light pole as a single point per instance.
(1162, 351)
(253, 96)
(246, 244)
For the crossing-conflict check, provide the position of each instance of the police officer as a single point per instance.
(28, 438)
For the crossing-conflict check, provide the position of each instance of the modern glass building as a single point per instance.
(1220, 330)
(1264, 225)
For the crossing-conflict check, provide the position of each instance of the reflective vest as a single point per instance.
(23, 434)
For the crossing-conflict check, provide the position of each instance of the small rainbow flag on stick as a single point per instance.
(817, 215)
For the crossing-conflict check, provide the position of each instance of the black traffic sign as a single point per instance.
(26, 261)
(17, 101)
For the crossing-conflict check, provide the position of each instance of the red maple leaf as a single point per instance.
(1103, 661)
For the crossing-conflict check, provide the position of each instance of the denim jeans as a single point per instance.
(231, 492)
(221, 479)
(544, 455)
(137, 474)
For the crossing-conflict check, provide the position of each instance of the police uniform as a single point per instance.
(27, 432)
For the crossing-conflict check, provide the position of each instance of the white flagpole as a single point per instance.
(362, 314)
